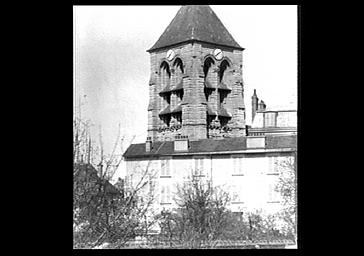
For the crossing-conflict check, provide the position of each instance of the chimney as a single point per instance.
(254, 104)
(261, 106)
(181, 143)
(148, 144)
(247, 127)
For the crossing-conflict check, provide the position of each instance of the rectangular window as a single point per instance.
(152, 184)
(238, 166)
(273, 168)
(165, 168)
(273, 194)
(237, 193)
(270, 119)
(168, 196)
(198, 171)
(165, 194)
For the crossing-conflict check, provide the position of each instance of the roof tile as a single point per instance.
(208, 145)
(195, 22)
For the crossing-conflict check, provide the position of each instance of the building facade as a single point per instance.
(247, 167)
(267, 121)
(196, 120)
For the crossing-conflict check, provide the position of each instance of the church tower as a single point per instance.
(196, 87)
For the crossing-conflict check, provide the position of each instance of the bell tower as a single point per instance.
(196, 87)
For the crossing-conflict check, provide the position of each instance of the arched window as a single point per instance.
(178, 73)
(165, 69)
(207, 65)
(207, 72)
(165, 93)
(178, 64)
(165, 81)
(223, 66)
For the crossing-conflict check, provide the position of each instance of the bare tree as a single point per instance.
(103, 213)
(201, 217)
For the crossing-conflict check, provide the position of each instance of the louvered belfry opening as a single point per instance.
(165, 94)
(177, 94)
(196, 87)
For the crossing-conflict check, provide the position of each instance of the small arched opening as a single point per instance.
(223, 66)
(207, 68)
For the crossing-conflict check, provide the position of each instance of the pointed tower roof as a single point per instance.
(195, 23)
(255, 93)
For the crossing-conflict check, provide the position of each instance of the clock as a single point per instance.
(218, 54)
(170, 54)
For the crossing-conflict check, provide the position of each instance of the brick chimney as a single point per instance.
(261, 106)
(254, 104)
(148, 144)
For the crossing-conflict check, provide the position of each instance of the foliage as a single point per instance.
(104, 213)
(287, 186)
(201, 217)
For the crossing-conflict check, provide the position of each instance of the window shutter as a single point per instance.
(198, 167)
(270, 196)
(168, 195)
(272, 193)
(162, 167)
(234, 193)
(201, 167)
(275, 165)
(167, 171)
(240, 167)
(270, 159)
(163, 194)
(165, 167)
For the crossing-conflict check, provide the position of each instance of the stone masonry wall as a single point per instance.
(194, 104)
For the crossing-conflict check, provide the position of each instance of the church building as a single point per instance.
(197, 119)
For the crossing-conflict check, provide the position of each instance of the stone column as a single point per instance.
(194, 111)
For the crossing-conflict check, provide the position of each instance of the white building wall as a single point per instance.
(258, 120)
(284, 119)
(256, 180)
(287, 119)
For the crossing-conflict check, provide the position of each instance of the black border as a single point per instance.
(303, 148)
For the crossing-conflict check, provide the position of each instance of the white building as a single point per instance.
(246, 167)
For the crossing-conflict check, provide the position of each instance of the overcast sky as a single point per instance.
(112, 67)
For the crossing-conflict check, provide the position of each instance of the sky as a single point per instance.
(112, 67)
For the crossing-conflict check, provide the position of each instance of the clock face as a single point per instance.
(170, 54)
(218, 54)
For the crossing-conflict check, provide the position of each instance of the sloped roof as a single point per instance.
(210, 111)
(208, 145)
(223, 112)
(177, 109)
(165, 111)
(166, 89)
(198, 23)
(223, 86)
(178, 87)
(87, 172)
(208, 84)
